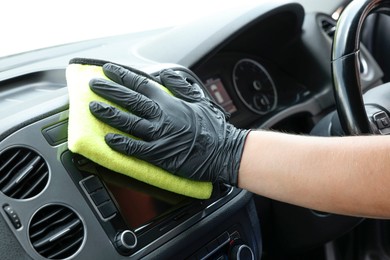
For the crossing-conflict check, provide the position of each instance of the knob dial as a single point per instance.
(241, 252)
(125, 241)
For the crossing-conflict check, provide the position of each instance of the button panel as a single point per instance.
(382, 121)
(99, 197)
(12, 216)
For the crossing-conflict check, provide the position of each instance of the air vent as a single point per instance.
(329, 27)
(23, 173)
(56, 232)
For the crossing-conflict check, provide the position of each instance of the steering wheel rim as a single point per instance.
(346, 68)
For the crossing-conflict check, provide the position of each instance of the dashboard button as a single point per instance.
(92, 184)
(100, 196)
(107, 209)
(224, 238)
(57, 133)
(382, 120)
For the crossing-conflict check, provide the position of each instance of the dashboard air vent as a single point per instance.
(56, 232)
(329, 27)
(23, 173)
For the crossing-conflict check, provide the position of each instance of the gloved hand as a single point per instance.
(185, 134)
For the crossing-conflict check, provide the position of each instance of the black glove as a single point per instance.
(185, 134)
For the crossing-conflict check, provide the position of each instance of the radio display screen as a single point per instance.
(140, 203)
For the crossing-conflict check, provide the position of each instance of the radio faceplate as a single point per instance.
(121, 204)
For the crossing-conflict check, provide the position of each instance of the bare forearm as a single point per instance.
(346, 175)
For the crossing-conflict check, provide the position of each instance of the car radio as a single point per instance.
(134, 215)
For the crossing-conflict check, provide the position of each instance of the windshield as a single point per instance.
(30, 25)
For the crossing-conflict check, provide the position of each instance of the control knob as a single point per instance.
(241, 251)
(125, 241)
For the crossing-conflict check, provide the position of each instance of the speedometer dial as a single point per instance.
(254, 86)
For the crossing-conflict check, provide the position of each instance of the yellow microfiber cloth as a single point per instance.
(86, 135)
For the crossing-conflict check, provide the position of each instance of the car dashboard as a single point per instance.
(261, 64)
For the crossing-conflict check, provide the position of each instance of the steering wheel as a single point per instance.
(358, 114)
(355, 117)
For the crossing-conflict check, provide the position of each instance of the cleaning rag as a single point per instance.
(86, 135)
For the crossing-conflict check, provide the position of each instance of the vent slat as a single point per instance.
(56, 232)
(41, 181)
(35, 180)
(19, 160)
(61, 248)
(75, 244)
(329, 27)
(6, 164)
(49, 224)
(23, 172)
(48, 216)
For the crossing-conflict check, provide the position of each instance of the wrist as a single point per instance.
(246, 160)
(233, 154)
